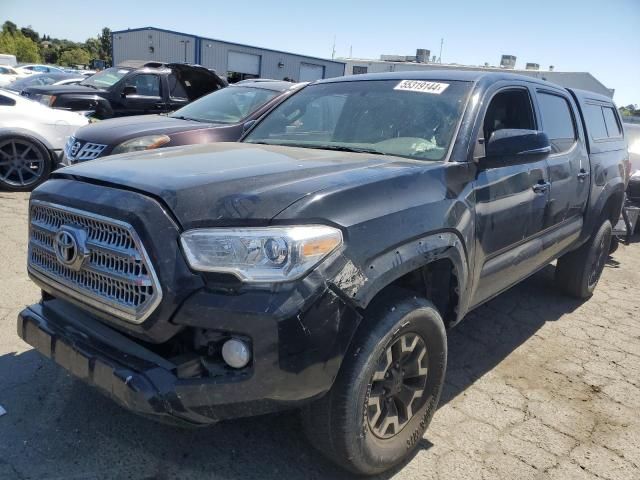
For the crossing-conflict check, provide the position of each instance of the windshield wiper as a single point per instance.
(336, 148)
(182, 117)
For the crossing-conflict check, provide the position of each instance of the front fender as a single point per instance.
(81, 102)
(361, 285)
(28, 133)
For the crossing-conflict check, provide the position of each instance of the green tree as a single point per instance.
(7, 43)
(74, 56)
(30, 33)
(9, 27)
(105, 45)
(26, 49)
(93, 46)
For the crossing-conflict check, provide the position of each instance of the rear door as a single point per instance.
(569, 168)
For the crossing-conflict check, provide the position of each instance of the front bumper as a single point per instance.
(148, 384)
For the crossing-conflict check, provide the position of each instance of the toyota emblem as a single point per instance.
(70, 247)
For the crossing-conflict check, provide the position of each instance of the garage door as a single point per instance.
(244, 63)
(310, 72)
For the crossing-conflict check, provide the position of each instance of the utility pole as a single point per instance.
(440, 56)
(333, 52)
(351, 51)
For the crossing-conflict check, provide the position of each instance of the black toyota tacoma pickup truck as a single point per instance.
(317, 264)
(131, 88)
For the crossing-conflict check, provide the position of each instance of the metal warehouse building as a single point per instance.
(238, 61)
(582, 80)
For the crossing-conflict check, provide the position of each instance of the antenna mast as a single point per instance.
(440, 56)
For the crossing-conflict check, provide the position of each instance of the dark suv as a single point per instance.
(221, 116)
(318, 264)
(132, 88)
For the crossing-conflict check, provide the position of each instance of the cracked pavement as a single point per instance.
(539, 386)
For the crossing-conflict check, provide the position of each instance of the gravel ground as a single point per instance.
(539, 386)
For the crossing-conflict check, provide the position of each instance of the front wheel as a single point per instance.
(388, 387)
(578, 272)
(24, 163)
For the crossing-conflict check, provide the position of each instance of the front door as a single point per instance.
(142, 95)
(511, 198)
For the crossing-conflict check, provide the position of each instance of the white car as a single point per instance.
(8, 74)
(32, 137)
(30, 69)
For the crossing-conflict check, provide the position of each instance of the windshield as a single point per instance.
(415, 119)
(228, 105)
(105, 78)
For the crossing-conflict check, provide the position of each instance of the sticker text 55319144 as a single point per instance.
(421, 86)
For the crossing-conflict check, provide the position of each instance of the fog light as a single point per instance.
(236, 353)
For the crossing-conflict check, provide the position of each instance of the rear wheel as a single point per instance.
(578, 272)
(24, 163)
(387, 390)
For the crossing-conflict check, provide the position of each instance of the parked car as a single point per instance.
(31, 140)
(134, 88)
(220, 116)
(43, 79)
(633, 190)
(32, 69)
(7, 75)
(318, 263)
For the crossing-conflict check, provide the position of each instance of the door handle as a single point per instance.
(541, 187)
(583, 174)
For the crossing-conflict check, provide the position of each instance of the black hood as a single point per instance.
(62, 89)
(233, 183)
(117, 130)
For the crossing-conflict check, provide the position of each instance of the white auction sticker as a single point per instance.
(421, 86)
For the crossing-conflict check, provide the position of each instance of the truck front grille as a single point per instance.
(77, 151)
(94, 259)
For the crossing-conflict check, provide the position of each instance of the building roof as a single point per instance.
(129, 30)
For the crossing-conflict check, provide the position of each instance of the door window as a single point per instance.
(613, 127)
(595, 121)
(557, 121)
(176, 88)
(147, 84)
(508, 109)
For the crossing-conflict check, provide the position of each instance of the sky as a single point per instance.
(598, 36)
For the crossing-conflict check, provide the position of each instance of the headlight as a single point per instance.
(47, 100)
(260, 255)
(141, 143)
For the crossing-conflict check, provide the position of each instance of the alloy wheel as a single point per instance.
(397, 387)
(21, 163)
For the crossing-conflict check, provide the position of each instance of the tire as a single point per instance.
(24, 163)
(615, 243)
(578, 272)
(353, 425)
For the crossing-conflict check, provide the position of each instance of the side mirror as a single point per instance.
(129, 90)
(517, 142)
(248, 125)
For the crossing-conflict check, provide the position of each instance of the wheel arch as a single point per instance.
(608, 206)
(434, 266)
(23, 132)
